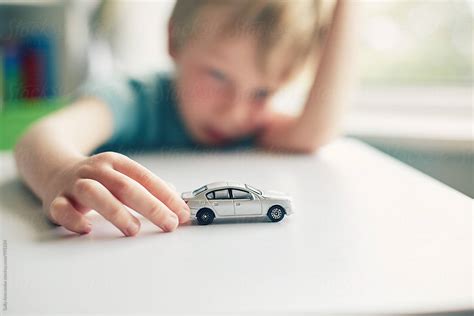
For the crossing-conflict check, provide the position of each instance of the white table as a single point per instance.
(369, 235)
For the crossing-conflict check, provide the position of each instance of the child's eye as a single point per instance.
(217, 75)
(261, 94)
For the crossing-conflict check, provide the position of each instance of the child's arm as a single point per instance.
(52, 157)
(318, 122)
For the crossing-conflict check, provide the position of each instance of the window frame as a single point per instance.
(214, 194)
(415, 118)
(241, 190)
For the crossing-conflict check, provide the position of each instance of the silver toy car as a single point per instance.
(227, 199)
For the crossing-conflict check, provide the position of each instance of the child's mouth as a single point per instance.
(215, 136)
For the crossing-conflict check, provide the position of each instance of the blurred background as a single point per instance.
(414, 101)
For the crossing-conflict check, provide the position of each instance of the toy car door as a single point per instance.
(221, 202)
(245, 203)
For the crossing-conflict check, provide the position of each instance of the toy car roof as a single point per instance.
(221, 184)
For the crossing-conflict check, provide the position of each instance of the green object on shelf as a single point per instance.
(17, 116)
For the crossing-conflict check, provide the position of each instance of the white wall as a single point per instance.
(139, 38)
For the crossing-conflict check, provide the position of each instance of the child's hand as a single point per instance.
(106, 183)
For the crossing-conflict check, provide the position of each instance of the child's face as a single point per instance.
(222, 93)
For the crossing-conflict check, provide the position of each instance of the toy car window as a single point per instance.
(221, 194)
(210, 195)
(241, 195)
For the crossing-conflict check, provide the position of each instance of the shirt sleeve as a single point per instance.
(128, 100)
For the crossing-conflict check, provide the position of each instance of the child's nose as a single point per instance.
(238, 110)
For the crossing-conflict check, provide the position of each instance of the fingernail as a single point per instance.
(185, 208)
(185, 214)
(88, 229)
(133, 227)
(171, 223)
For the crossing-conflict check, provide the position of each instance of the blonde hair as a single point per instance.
(294, 27)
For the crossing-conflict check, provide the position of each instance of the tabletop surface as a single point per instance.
(369, 234)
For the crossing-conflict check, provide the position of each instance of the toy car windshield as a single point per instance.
(253, 189)
(199, 190)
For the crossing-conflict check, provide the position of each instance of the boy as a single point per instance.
(230, 58)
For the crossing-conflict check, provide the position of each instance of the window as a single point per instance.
(241, 195)
(416, 68)
(221, 194)
(416, 42)
(210, 195)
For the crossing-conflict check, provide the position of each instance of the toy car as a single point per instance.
(227, 199)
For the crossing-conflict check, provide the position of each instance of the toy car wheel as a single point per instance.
(205, 216)
(276, 213)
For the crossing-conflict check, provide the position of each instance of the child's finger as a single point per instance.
(172, 186)
(63, 213)
(135, 196)
(154, 184)
(93, 194)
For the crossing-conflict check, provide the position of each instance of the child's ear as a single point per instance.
(171, 41)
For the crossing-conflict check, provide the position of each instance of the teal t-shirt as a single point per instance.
(145, 113)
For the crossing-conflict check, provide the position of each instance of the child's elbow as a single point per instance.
(303, 148)
(310, 149)
(296, 145)
(311, 146)
(307, 149)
